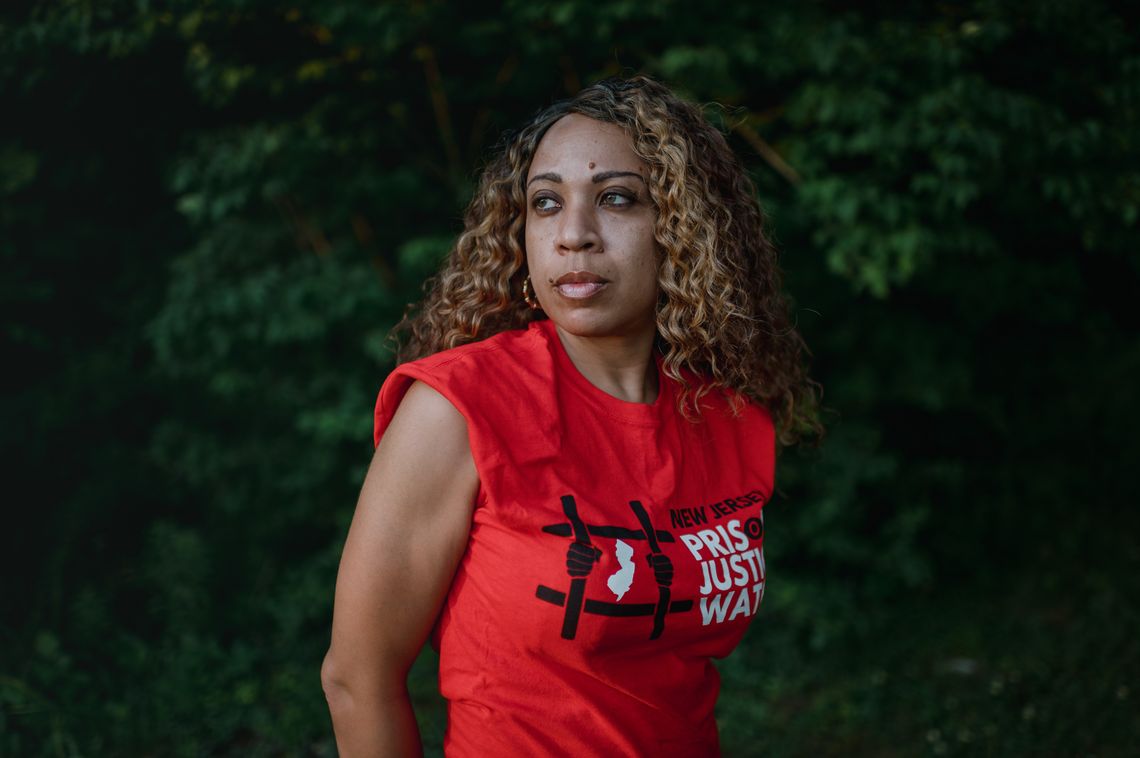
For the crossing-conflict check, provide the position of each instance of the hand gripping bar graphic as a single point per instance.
(575, 602)
(654, 549)
(578, 583)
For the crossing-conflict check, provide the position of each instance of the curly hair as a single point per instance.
(721, 314)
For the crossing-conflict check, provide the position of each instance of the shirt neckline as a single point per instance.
(640, 414)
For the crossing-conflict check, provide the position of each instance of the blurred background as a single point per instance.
(213, 212)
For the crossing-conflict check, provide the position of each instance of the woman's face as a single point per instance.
(589, 231)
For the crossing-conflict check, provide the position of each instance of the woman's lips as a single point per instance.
(579, 290)
(579, 285)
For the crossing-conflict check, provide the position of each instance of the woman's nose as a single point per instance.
(578, 231)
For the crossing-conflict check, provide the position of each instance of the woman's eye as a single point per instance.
(616, 198)
(544, 203)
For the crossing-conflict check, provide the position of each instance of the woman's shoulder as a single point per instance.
(495, 352)
(487, 379)
(476, 368)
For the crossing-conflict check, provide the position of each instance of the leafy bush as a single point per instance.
(213, 213)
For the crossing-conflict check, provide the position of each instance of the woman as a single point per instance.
(567, 486)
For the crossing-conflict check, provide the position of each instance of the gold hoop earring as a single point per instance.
(528, 294)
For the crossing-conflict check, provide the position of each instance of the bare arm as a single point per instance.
(408, 533)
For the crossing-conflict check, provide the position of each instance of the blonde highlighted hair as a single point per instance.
(721, 314)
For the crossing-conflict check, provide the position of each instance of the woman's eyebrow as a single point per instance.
(607, 175)
(550, 176)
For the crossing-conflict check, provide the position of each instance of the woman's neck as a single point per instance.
(621, 366)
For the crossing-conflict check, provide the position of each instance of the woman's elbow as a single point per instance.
(345, 683)
(335, 683)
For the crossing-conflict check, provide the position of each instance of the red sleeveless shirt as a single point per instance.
(615, 548)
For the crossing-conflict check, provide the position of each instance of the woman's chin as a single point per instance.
(591, 324)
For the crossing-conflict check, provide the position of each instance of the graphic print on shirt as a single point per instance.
(730, 555)
(621, 580)
(732, 570)
(581, 556)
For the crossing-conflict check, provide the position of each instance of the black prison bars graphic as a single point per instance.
(574, 601)
(654, 549)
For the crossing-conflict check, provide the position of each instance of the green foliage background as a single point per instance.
(212, 213)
